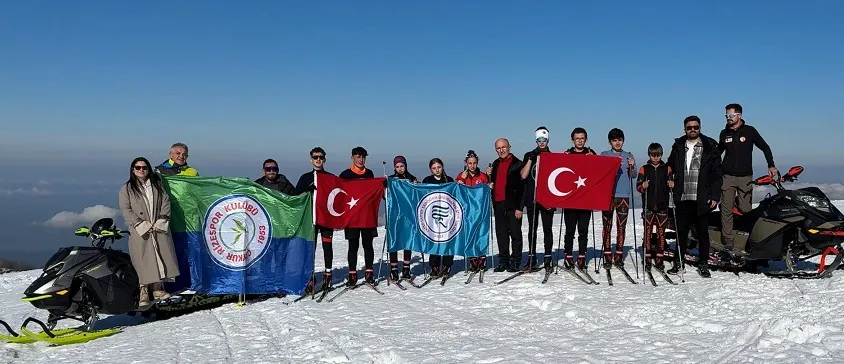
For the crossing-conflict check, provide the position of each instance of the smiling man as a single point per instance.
(177, 164)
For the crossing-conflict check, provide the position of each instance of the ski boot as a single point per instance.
(619, 258)
(513, 267)
(569, 262)
(658, 263)
(548, 263)
(503, 264)
(405, 271)
(648, 261)
(703, 270)
(353, 279)
(394, 273)
(675, 266)
(581, 262)
(435, 272)
(446, 270)
(326, 281)
(530, 264)
(368, 277)
(607, 259)
(309, 289)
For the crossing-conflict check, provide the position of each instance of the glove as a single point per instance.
(143, 228)
(162, 225)
(532, 156)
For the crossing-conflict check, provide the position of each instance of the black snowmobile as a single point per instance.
(78, 283)
(790, 225)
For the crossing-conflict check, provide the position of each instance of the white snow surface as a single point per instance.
(724, 319)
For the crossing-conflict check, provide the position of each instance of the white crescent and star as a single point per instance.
(333, 196)
(552, 181)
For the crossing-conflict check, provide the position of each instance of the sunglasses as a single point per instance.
(271, 169)
(730, 116)
(140, 168)
(541, 139)
(318, 157)
(693, 127)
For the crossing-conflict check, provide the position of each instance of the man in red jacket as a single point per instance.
(507, 205)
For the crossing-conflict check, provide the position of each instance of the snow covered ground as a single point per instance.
(725, 319)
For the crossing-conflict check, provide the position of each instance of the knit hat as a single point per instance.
(399, 159)
(542, 133)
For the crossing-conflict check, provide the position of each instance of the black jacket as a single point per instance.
(434, 180)
(281, 184)
(710, 177)
(658, 192)
(530, 181)
(348, 174)
(406, 175)
(738, 144)
(514, 195)
(306, 182)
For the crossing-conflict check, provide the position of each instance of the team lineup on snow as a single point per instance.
(198, 242)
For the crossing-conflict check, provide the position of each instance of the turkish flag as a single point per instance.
(344, 203)
(576, 181)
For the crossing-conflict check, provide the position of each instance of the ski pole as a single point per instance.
(384, 244)
(635, 236)
(682, 267)
(593, 241)
(559, 242)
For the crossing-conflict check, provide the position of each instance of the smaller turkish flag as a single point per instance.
(576, 181)
(344, 203)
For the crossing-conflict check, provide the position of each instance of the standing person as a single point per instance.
(507, 204)
(274, 180)
(177, 163)
(304, 185)
(472, 176)
(356, 236)
(145, 207)
(737, 140)
(438, 176)
(621, 199)
(654, 184)
(400, 171)
(696, 167)
(576, 218)
(536, 211)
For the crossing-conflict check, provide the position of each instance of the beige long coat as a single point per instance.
(153, 254)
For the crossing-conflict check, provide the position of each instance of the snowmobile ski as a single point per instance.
(624, 271)
(65, 336)
(609, 275)
(584, 272)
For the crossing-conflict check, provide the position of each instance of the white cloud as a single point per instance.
(34, 191)
(835, 191)
(43, 182)
(88, 216)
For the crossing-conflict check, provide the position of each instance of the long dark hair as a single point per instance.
(437, 161)
(134, 185)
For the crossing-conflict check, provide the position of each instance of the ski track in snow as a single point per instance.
(725, 319)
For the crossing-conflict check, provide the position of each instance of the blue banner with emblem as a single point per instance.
(440, 219)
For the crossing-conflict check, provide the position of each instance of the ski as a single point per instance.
(445, 278)
(412, 283)
(481, 276)
(521, 272)
(370, 285)
(397, 284)
(547, 275)
(650, 276)
(609, 275)
(665, 276)
(626, 275)
(588, 277)
(324, 294)
(799, 275)
(471, 275)
(344, 290)
(578, 276)
(429, 280)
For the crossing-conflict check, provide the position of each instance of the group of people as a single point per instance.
(695, 178)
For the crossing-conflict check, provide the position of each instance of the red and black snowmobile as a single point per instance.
(789, 225)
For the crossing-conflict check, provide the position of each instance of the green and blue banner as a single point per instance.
(235, 236)
(441, 219)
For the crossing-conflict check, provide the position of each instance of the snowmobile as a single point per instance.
(78, 283)
(789, 225)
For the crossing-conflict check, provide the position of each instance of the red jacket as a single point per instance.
(480, 178)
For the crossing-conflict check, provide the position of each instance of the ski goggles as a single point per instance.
(730, 116)
(541, 139)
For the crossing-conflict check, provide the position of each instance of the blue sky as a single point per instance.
(88, 86)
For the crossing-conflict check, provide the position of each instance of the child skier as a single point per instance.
(472, 176)
(401, 172)
(620, 201)
(574, 218)
(655, 186)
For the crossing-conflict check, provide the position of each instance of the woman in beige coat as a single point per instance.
(146, 210)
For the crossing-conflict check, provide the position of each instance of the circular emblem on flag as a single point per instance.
(439, 216)
(237, 231)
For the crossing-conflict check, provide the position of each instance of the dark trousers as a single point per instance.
(394, 258)
(436, 260)
(507, 228)
(327, 236)
(688, 218)
(355, 236)
(535, 214)
(576, 219)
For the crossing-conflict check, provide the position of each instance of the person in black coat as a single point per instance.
(696, 171)
(438, 176)
(360, 236)
(400, 171)
(507, 205)
(274, 180)
(304, 185)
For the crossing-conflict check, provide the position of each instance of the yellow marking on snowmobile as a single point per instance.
(62, 292)
(813, 231)
(93, 268)
(70, 336)
(36, 298)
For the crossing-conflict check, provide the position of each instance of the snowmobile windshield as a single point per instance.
(57, 258)
(816, 199)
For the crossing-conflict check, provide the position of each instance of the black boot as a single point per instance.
(513, 267)
(569, 262)
(548, 262)
(675, 266)
(394, 273)
(581, 262)
(368, 277)
(353, 279)
(503, 264)
(446, 270)
(326, 281)
(435, 272)
(703, 270)
(405, 272)
(309, 289)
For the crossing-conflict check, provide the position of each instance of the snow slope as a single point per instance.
(725, 319)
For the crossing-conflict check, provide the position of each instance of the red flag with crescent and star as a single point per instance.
(576, 181)
(344, 203)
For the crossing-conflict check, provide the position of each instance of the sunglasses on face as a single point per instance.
(318, 157)
(271, 169)
(730, 116)
(693, 127)
(541, 139)
(140, 168)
